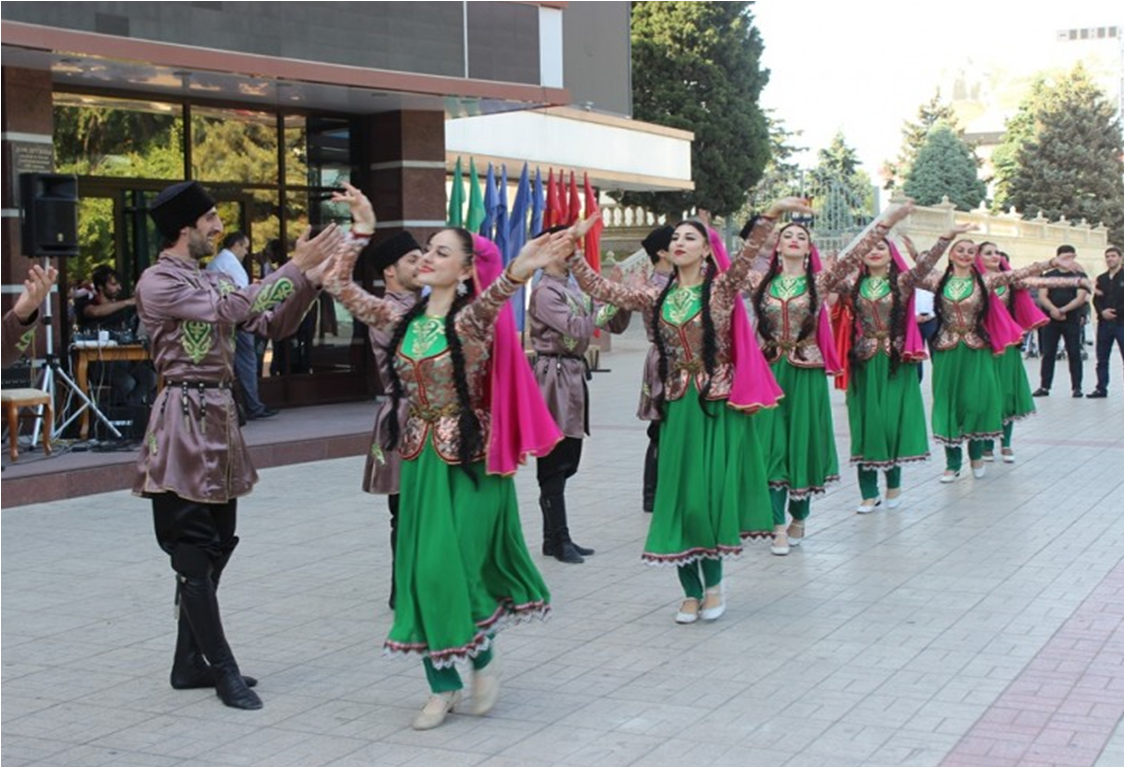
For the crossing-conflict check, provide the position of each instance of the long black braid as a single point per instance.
(472, 439)
(471, 436)
(658, 335)
(393, 427)
(982, 313)
(808, 327)
(710, 344)
(898, 319)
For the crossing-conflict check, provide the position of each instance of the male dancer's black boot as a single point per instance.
(556, 534)
(201, 606)
(648, 500)
(392, 502)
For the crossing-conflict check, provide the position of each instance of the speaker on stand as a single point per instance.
(49, 229)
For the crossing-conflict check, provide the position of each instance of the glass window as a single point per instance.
(234, 145)
(102, 136)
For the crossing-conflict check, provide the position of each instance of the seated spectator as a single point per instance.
(131, 382)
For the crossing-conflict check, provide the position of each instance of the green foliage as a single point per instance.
(696, 66)
(945, 167)
(841, 192)
(1061, 155)
(782, 176)
(914, 135)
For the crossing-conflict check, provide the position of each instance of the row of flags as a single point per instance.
(535, 207)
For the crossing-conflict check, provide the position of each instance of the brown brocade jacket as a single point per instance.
(381, 473)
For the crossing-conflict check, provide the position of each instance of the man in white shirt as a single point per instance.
(229, 261)
(924, 312)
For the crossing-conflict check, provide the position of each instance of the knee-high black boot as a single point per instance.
(392, 502)
(189, 668)
(649, 495)
(199, 603)
(557, 532)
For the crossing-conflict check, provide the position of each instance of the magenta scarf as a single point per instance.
(1027, 314)
(1003, 330)
(913, 346)
(521, 423)
(754, 386)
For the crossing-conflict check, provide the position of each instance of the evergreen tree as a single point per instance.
(914, 135)
(1061, 155)
(781, 177)
(945, 167)
(841, 192)
(696, 66)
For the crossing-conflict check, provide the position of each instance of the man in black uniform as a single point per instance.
(1108, 307)
(1065, 306)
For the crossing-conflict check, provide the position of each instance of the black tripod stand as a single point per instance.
(53, 372)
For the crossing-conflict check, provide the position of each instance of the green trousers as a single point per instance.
(448, 679)
(869, 481)
(989, 445)
(953, 455)
(798, 510)
(691, 582)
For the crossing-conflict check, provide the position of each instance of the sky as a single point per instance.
(865, 66)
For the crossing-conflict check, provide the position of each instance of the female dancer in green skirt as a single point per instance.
(793, 322)
(1015, 308)
(967, 402)
(885, 411)
(711, 490)
(462, 569)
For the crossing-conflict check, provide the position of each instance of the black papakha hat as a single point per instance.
(179, 206)
(658, 240)
(392, 249)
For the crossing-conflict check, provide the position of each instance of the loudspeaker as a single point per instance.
(130, 420)
(49, 214)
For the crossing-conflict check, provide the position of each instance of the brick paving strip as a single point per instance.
(1064, 706)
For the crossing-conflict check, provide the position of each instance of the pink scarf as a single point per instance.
(913, 346)
(1003, 330)
(824, 337)
(521, 423)
(754, 386)
(1027, 314)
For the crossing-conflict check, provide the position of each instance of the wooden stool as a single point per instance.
(13, 400)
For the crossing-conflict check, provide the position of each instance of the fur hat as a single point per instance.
(658, 240)
(179, 206)
(392, 249)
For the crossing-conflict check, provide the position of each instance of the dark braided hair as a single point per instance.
(471, 440)
(978, 321)
(810, 324)
(658, 336)
(898, 319)
(710, 343)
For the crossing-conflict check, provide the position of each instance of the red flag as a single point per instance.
(575, 203)
(562, 207)
(594, 236)
(552, 201)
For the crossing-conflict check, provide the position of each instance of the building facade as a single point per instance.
(271, 105)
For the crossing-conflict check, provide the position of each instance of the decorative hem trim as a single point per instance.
(1019, 417)
(955, 442)
(507, 614)
(797, 494)
(687, 557)
(858, 461)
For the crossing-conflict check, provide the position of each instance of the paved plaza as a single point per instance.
(980, 623)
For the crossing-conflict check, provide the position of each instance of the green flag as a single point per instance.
(476, 200)
(457, 198)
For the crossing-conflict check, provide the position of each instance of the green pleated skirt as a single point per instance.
(886, 415)
(1015, 391)
(462, 569)
(966, 396)
(800, 441)
(711, 490)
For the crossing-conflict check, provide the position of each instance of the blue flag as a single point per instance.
(491, 202)
(501, 236)
(517, 236)
(538, 205)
